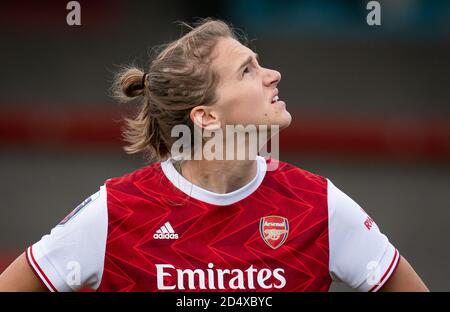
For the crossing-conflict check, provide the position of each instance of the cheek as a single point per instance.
(242, 103)
(250, 97)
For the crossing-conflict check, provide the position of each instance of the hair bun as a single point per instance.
(130, 83)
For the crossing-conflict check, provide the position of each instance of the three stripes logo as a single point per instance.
(165, 232)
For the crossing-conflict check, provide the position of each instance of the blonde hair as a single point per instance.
(178, 79)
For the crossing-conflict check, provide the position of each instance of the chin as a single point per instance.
(285, 120)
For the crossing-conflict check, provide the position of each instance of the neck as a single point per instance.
(219, 176)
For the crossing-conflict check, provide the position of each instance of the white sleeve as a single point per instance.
(72, 255)
(360, 255)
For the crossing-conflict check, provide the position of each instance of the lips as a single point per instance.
(275, 97)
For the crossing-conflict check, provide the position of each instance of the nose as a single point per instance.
(272, 77)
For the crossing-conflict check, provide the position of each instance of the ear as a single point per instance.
(205, 118)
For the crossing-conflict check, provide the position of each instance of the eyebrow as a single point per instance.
(248, 61)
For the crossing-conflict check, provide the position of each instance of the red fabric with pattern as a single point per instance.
(227, 236)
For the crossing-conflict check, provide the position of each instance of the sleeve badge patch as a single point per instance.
(80, 207)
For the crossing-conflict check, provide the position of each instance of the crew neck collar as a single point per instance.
(204, 195)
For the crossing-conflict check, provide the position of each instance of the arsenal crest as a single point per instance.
(274, 230)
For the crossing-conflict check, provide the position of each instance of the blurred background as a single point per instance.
(371, 106)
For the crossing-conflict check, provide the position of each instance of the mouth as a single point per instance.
(275, 97)
(276, 102)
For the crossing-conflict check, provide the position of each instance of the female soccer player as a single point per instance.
(181, 224)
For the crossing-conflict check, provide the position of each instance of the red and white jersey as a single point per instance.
(152, 230)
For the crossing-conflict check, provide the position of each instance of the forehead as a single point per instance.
(229, 54)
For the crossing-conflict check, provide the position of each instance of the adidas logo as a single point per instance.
(165, 232)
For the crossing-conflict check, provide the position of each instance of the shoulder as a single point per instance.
(75, 246)
(150, 174)
(294, 176)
